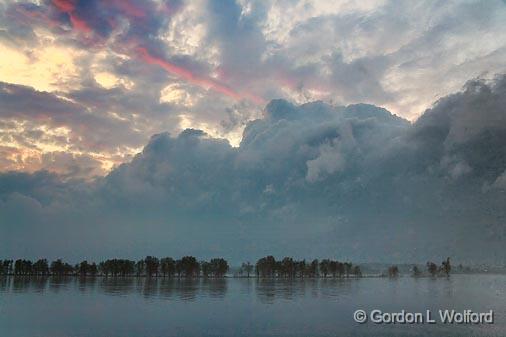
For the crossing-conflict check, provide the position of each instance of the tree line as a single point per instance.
(190, 267)
(187, 267)
(432, 269)
(290, 268)
(151, 266)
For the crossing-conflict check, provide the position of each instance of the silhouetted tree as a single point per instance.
(86, 269)
(219, 267)
(23, 267)
(6, 267)
(140, 267)
(325, 267)
(168, 266)
(357, 272)
(300, 268)
(83, 268)
(266, 266)
(189, 266)
(41, 267)
(446, 267)
(92, 269)
(332, 268)
(152, 265)
(116, 267)
(60, 268)
(393, 271)
(312, 270)
(179, 268)
(57, 267)
(432, 268)
(340, 269)
(247, 268)
(287, 267)
(206, 268)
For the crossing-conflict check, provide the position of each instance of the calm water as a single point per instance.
(240, 307)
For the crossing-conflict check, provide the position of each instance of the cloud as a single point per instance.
(120, 60)
(128, 27)
(311, 180)
(47, 120)
(500, 182)
(93, 80)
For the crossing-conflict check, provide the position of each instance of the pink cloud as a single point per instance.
(187, 75)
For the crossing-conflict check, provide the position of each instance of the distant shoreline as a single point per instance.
(351, 277)
(188, 267)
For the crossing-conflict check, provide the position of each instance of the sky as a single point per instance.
(366, 129)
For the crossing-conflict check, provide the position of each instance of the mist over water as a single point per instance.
(102, 306)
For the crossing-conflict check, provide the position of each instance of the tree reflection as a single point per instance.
(58, 283)
(117, 285)
(215, 288)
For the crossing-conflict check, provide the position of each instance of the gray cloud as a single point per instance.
(308, 180)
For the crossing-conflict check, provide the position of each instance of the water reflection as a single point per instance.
(271, 290)
(132, 306)
(86, 284)
(183, 289)
(117, 285)
(267, 290)
(60, 283)
(215, 288)
(21, 284)
(5, 283)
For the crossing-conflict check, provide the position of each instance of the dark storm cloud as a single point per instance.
(313, 179)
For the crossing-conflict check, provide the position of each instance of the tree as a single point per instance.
(332, 268)
(179, 268)
(247, 268)
(446, 267)
(168, 266)
(432, 268)
(6, 267)
(41, 267)
(140, 267)
(205, 268)
(266, 266)
(312, 269)
(347, 268)
(83, 268)
(325, 267)
(300, 268)
(57, 267)
(340, 269)
(219, 267)
(416, 271)
(287, 267)
(357, 272)
(23, 267)
(152, 264)
(93, 270)
(189, 266)
(393, 271)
